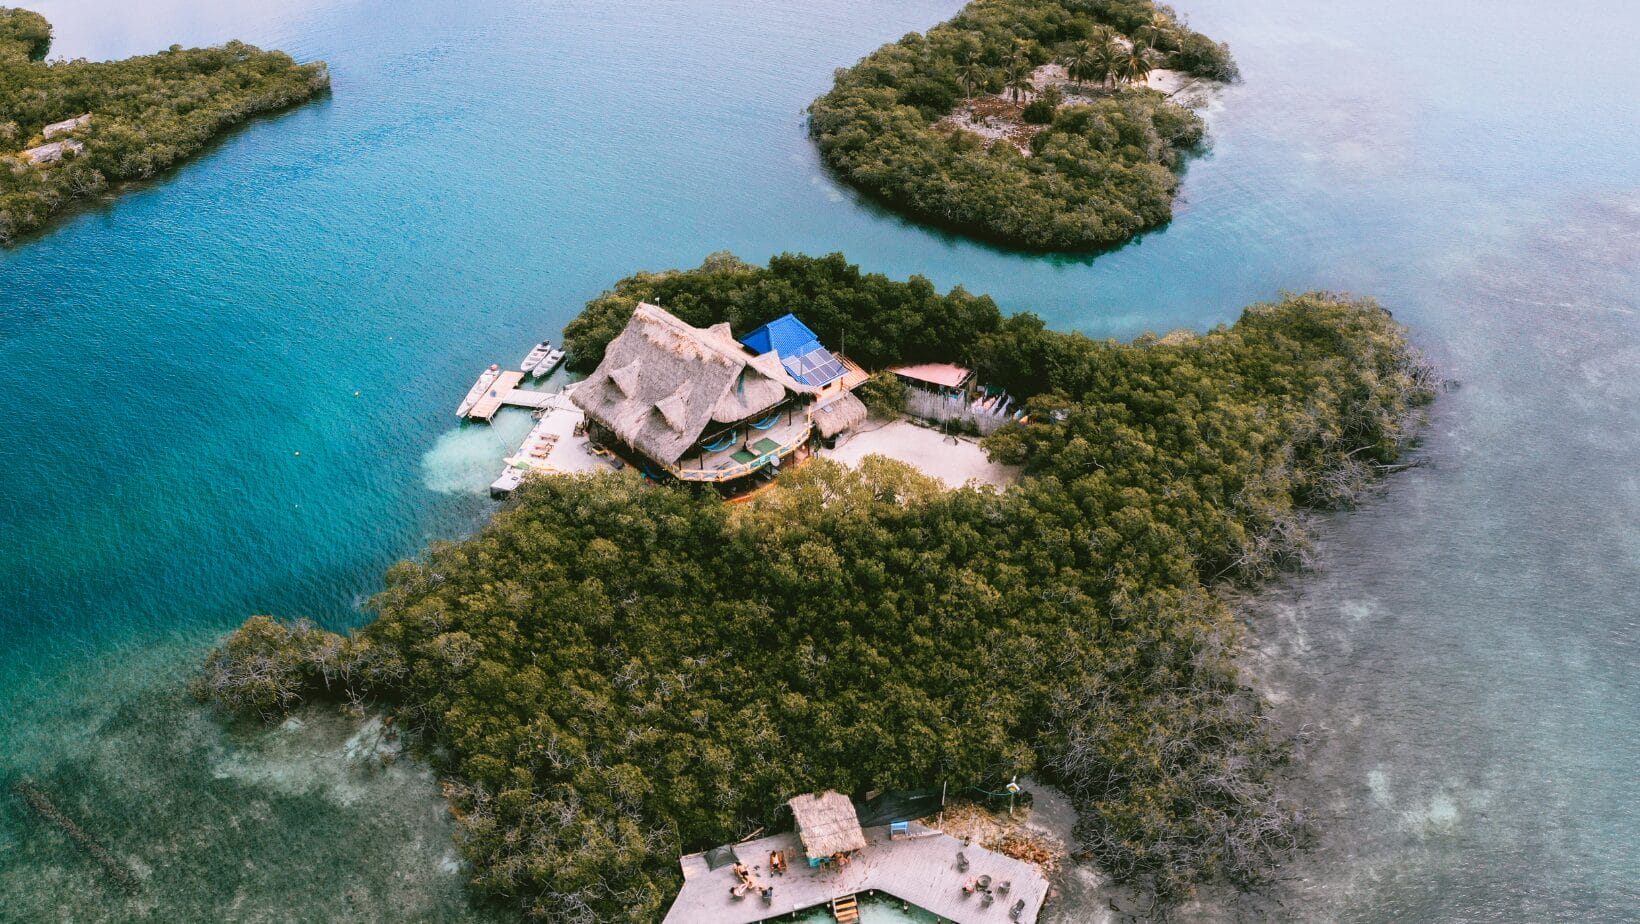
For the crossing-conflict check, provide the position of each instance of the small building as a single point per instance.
(828, 826)
(840, 413)
(808, 361)
(694, 404)
(941, 378)
(799, 350)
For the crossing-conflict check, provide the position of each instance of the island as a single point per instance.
(70, 129)
(1035, 124)
(619, 671)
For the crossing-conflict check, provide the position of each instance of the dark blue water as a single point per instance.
(328, 281)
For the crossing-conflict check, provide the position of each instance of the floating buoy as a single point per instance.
(296, 453)
(355, 394)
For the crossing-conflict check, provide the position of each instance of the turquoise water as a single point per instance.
(328, 282)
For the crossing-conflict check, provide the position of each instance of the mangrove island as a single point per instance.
(68, 129)
(1032, 123)
(618, 670)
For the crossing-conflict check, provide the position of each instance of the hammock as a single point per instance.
(724, 441)
(767, 422)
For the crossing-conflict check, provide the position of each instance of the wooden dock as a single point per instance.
(503, 391)
(491, 400)
(926, 868)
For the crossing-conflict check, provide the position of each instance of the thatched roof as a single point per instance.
(663, 384)
(827, 824)
(834, 417)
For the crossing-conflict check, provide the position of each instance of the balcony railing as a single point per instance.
(742, 469)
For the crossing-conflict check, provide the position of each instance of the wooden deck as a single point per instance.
(490, 402)
(922, 869)
(552, 445)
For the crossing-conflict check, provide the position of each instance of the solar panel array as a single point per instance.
(815, 367)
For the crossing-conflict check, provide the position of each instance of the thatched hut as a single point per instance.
(841, 413)
(693, 402)
(827, 824)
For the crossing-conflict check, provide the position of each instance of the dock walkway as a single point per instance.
(494, 396)
(496, 390)
(922, 868)
(552, 446)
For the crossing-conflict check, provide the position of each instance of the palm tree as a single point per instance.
(971, 74)
(1158, 31)
(1015, 56)
(1108, 62)
(1135, 66)
(1079, 62)
(1019, 81)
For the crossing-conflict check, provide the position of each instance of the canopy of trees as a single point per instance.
(869, 317)
(23, 34)
(1097, 174)
(148, 112)
(617, 672)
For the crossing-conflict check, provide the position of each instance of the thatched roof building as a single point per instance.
(827, 824)
(664, 383)
(838, 415)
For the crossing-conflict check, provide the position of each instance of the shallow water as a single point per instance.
(1463, 660)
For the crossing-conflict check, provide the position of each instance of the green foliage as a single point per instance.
(1197, 54)
(866, 316)
(617, 671)
(24, 34)
(1091, 181)
(883, 394)
(269, 667)
(147, 113)
(1040, 111)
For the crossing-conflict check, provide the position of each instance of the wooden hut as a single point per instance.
(827, 825)
(832, 417)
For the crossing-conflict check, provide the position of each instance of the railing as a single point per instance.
(741, 469)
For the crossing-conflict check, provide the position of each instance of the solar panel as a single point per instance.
(815, 367)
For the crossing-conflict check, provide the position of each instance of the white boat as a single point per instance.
(485, 380)
(548, 363)
(531, 362)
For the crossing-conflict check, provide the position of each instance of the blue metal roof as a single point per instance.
(799, 350)
(785, 335)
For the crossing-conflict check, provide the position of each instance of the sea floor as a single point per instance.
(202, 819)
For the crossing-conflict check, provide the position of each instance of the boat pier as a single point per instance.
(495, 390)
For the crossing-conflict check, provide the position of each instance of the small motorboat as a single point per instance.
(547, 363)
(485, 380)
(531, 362)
